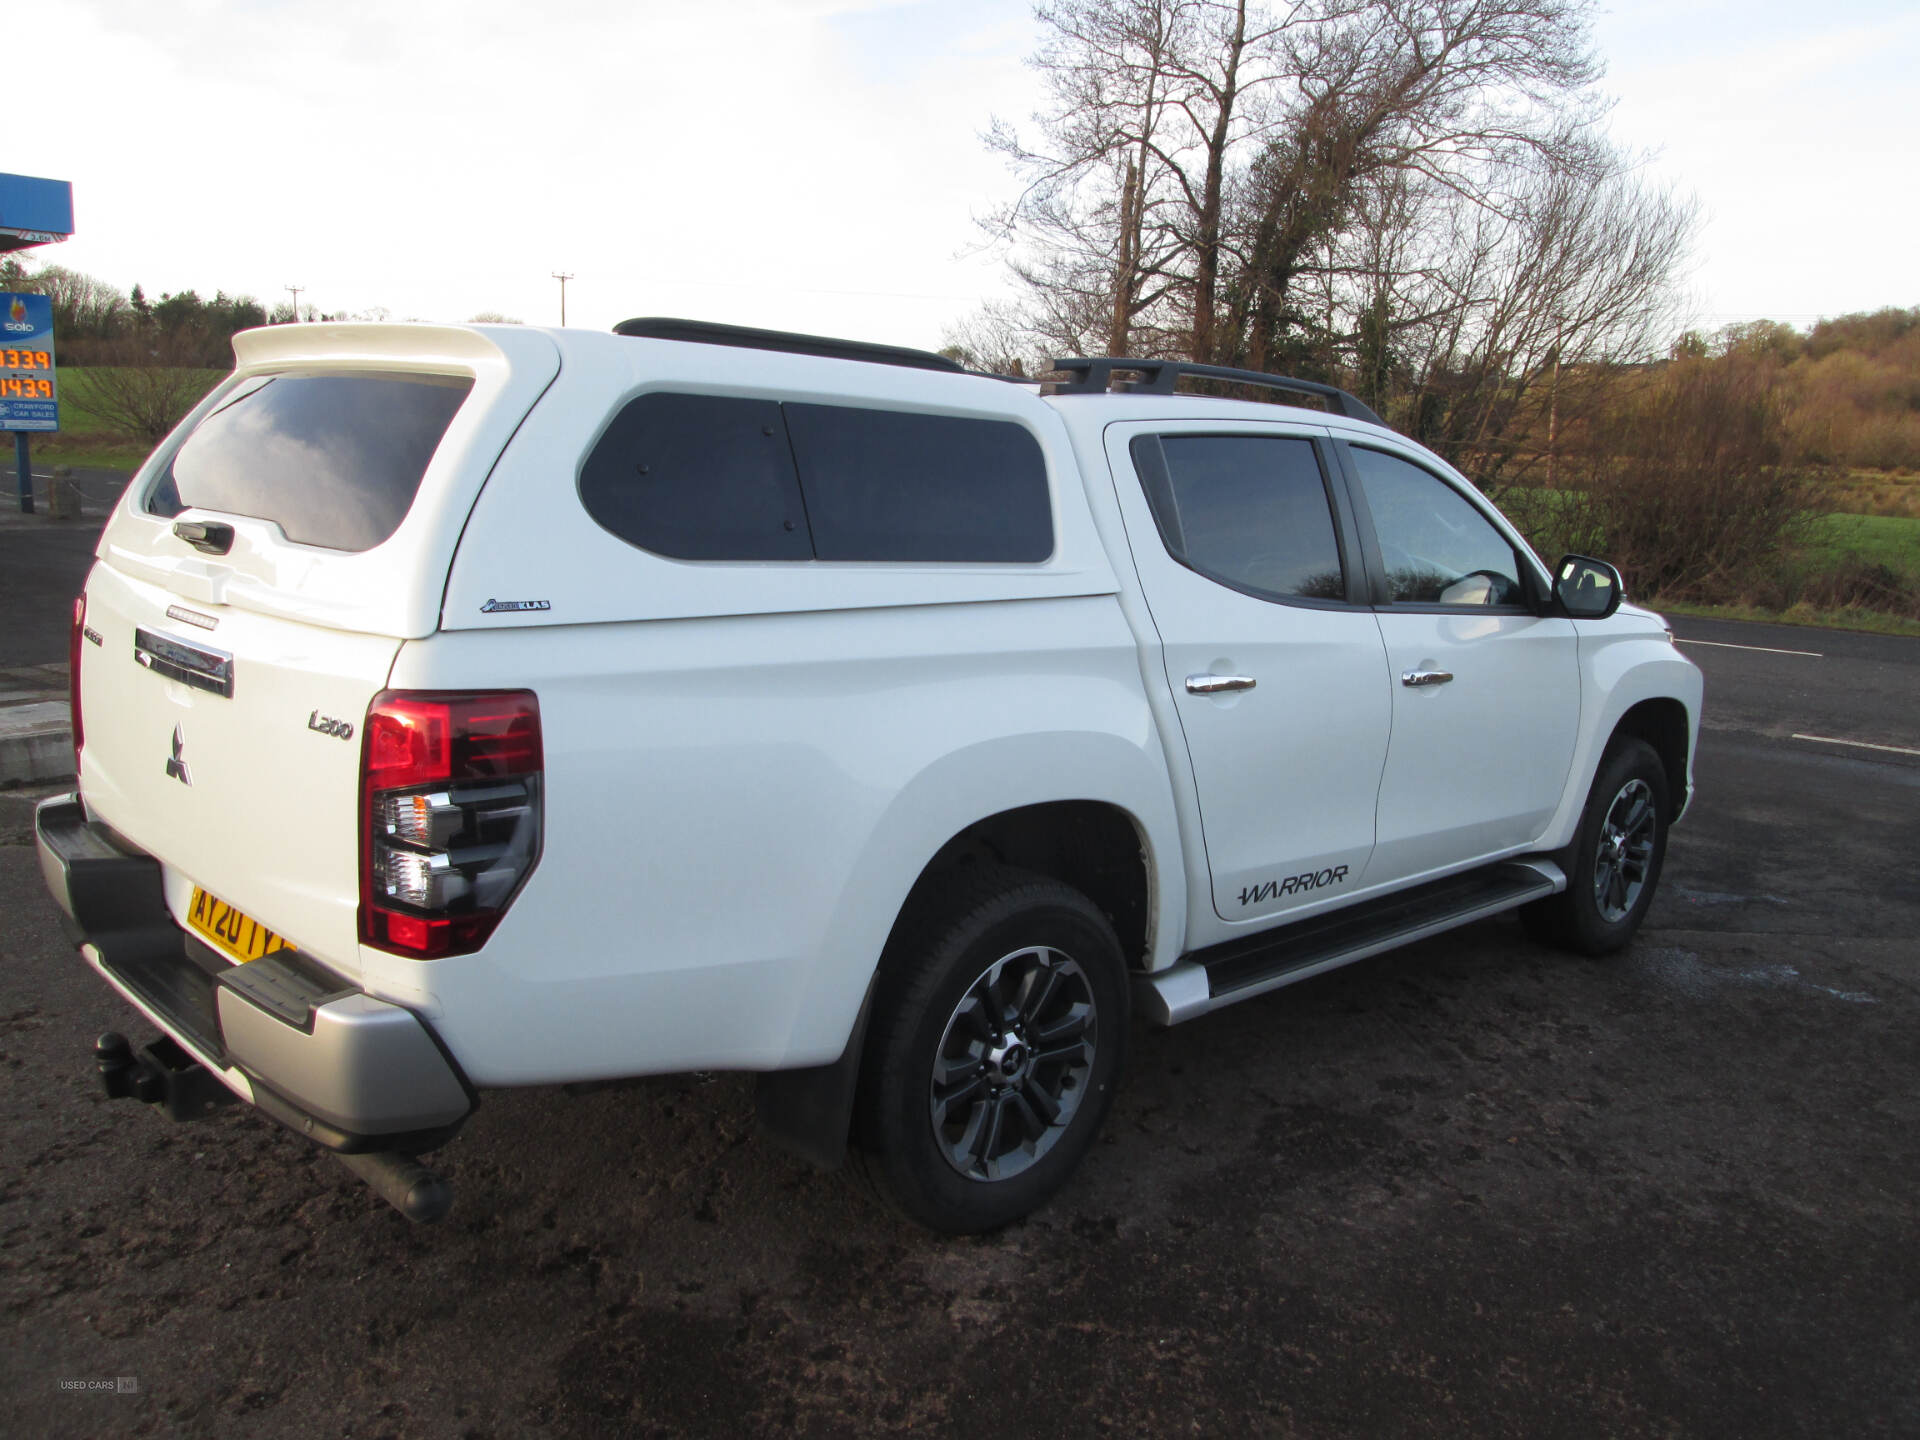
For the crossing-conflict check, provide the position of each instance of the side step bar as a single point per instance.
(1222, 974)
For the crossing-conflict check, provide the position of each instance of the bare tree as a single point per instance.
(1089, 203)
(996, 338)
(1459, 97)
(1410, 196)
(82, 305)
(1165, 112)
(143, 387)
(1118, 226)
(1573, 279)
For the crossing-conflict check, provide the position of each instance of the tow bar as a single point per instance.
(163, 1074)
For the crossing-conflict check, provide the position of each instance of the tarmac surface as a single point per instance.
(1473, 1187)
(43, 563)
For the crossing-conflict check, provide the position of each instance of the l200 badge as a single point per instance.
(327, 725)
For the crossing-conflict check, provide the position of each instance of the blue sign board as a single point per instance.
(29, 384)
(34, 211)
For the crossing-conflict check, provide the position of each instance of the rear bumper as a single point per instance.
(350, 1071)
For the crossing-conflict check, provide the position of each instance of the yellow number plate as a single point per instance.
(232, 931)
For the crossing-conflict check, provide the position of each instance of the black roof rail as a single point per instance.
(703, 332)
(1158, 377)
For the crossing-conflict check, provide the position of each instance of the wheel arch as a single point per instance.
(1094, 846)
(1662, 722)
(1635, 684)
(1104, 830)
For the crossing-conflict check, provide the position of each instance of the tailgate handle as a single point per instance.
(209, 537)
(193, 665)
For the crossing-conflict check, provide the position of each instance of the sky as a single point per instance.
(812, 165)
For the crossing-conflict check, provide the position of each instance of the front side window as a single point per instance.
(333, 460)
(1248, 511)
(1439, 549)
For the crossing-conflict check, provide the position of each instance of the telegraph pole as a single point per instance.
(296, 289)
(563, 278)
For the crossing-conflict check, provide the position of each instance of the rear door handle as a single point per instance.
(1426, 677)
(1218, 684)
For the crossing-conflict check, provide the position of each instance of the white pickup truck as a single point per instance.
(458, 708)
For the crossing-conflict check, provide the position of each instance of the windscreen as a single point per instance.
(334, 460)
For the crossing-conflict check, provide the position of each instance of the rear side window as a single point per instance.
(1248, 511)
(704, 477)
(333, 460)
(698, 477)
(882, 485)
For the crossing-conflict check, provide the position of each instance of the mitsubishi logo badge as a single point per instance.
(177, 767)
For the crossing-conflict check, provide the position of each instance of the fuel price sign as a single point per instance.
(29, 384)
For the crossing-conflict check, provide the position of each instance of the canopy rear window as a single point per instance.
(333, 460)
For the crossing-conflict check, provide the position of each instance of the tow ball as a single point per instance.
(162, 1074)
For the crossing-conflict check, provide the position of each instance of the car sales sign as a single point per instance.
(29, 387)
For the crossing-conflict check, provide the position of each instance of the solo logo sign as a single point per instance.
(29, 380)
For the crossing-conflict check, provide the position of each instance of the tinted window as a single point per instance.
(1248, 510)
(1438, 548)
(698, 477)
(334, 460)
(881, 485)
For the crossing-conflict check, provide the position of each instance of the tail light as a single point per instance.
(73, 674)
(449, 816)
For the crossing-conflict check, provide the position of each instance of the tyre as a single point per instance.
(1614, 862)
(997, 1037)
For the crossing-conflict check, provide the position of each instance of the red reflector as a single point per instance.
(73, 675)
(408, 932)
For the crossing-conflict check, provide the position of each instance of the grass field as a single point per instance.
(1890, 540)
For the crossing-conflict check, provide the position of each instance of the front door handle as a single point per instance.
(1426, 677)
(1218, 684)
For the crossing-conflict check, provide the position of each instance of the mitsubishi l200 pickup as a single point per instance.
(466, 707)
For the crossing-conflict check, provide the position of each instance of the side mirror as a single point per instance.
(1587, 589)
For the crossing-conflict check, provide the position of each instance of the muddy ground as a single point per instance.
(1472, 1188)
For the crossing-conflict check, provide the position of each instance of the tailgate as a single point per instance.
(254, 586)
(252, 795)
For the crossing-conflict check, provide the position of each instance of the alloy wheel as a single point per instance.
(1625, 853)
(1012, 1066)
